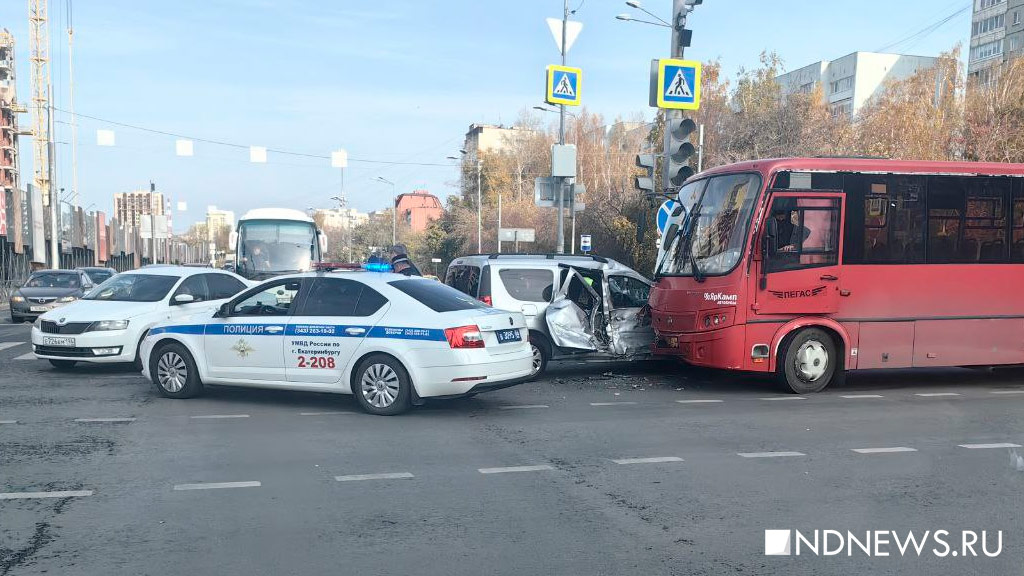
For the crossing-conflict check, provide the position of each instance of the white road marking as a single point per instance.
(214, 416)
(217, 485)
(29, 356)
(523, 407)
(536, 468)
(936, 394)
(611, 403)
(770, 454)
(58, 494)
(8, 421)
(996, 445)
(655, 460)
(104, 419)
(883, 450)
(1007, 392)
(700, 401)
(784, 398)
(384, 476)
(856, 396)
(6, 345)
(323, 413)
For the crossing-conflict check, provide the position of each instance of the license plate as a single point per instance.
(52, 341)
(39, 308)
(506, 336)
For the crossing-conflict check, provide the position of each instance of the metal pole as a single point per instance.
(479, 221)
(499, 221)
(54, 199)
(394, 215)
(700, 150)
(560, 247)
(74, 119)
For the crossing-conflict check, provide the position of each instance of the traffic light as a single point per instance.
(646, 183)
(679, 150)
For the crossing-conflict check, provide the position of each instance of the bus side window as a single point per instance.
(1017, 249)
(807, 233)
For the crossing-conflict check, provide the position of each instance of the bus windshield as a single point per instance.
(269, 247)
(716, 229)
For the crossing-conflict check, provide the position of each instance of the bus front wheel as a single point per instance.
(808, 361)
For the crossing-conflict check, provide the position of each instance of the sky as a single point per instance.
(388, 81)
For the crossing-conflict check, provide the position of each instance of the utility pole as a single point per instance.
(680, 9)
(560, 246)
(479, 214)
(74, 119)
(39, 56)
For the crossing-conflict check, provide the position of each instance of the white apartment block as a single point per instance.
(340, 218)
(997, 35)
(852, 81)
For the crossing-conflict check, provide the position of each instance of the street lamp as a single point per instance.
(636, 5)
(394, 209)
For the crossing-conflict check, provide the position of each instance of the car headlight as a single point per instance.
(17, 298)
(68, 299)
(103, 325)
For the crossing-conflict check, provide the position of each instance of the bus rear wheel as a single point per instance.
(808, 361)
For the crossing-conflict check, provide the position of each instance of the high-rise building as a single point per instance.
(851, 81)
(487, 137)
(417, 209)
(129, 207)
(997, 35)
(8, 115)
(340, 218)
(218, 219)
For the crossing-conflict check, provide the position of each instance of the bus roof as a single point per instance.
(275, 214)
(868, 166)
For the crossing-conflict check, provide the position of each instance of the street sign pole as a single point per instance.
(560, 246)
(679, 10)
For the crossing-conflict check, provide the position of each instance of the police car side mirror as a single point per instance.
(184, 298)
(224, 310)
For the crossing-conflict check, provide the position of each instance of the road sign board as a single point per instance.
(664, 213)
(435, 260)
(563, 85)
(545, 191)
(678, 85)
(572, 30)
(517, 235)
(585, 242)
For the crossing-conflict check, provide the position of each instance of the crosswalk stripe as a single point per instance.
(29, 356)
(6, 345)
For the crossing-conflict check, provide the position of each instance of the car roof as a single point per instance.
(545, 261)
(51, 270)
(172, 270)
(87, 268)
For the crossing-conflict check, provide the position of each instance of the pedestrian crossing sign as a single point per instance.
(678, 85)
(563, 85)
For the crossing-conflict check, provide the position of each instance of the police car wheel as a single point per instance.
(382, 386)
(174, 372)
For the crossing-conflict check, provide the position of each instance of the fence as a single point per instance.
(14, 269)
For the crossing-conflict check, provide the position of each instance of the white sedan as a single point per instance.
(390, 340)
(107, 325)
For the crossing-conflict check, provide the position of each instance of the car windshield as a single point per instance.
(716, 230)
(276, 246)
(133, 288)
(54, 280)
(98, 276)
(436, 296)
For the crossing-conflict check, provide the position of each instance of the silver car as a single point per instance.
(575, 306)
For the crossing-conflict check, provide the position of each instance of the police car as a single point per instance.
(390, 340)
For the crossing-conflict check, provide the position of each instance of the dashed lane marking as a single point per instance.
(8, 421)
(776, 398)
(936, 394)
(97, 420)
(57, 494)
(708, 401)
(995, 445)
(612, 403)
(504, 469)
(218, 416)
(217, 485)
(858, 396)
(770, 454)
(384, 476)
(29, 356)
(655, 460)
(6, 345)
(523, 407)
(890, 450)
(1006, 392)
(323, 413)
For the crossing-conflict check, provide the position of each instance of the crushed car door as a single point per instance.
(568, 324)
(629, 326)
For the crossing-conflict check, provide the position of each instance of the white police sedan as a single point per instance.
(390, 340)
(107, 325)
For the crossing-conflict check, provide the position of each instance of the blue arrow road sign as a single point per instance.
(664, 213)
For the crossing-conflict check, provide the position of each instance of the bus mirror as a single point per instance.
(323, 241)
(233, 240)
(771, 232)
(670, 235)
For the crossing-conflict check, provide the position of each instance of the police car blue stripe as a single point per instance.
(312, 330)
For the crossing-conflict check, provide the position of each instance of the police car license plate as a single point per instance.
(506, 336)
(52, 341)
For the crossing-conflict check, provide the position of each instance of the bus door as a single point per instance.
(798, 269)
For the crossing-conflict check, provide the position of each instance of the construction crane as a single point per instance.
(39, 57)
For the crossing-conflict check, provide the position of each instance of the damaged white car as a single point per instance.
(575, 306)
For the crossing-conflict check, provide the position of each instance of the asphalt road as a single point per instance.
(610, 469)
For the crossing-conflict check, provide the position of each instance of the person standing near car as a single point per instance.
(401, 263)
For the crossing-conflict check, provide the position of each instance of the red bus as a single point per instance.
(811, 267)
